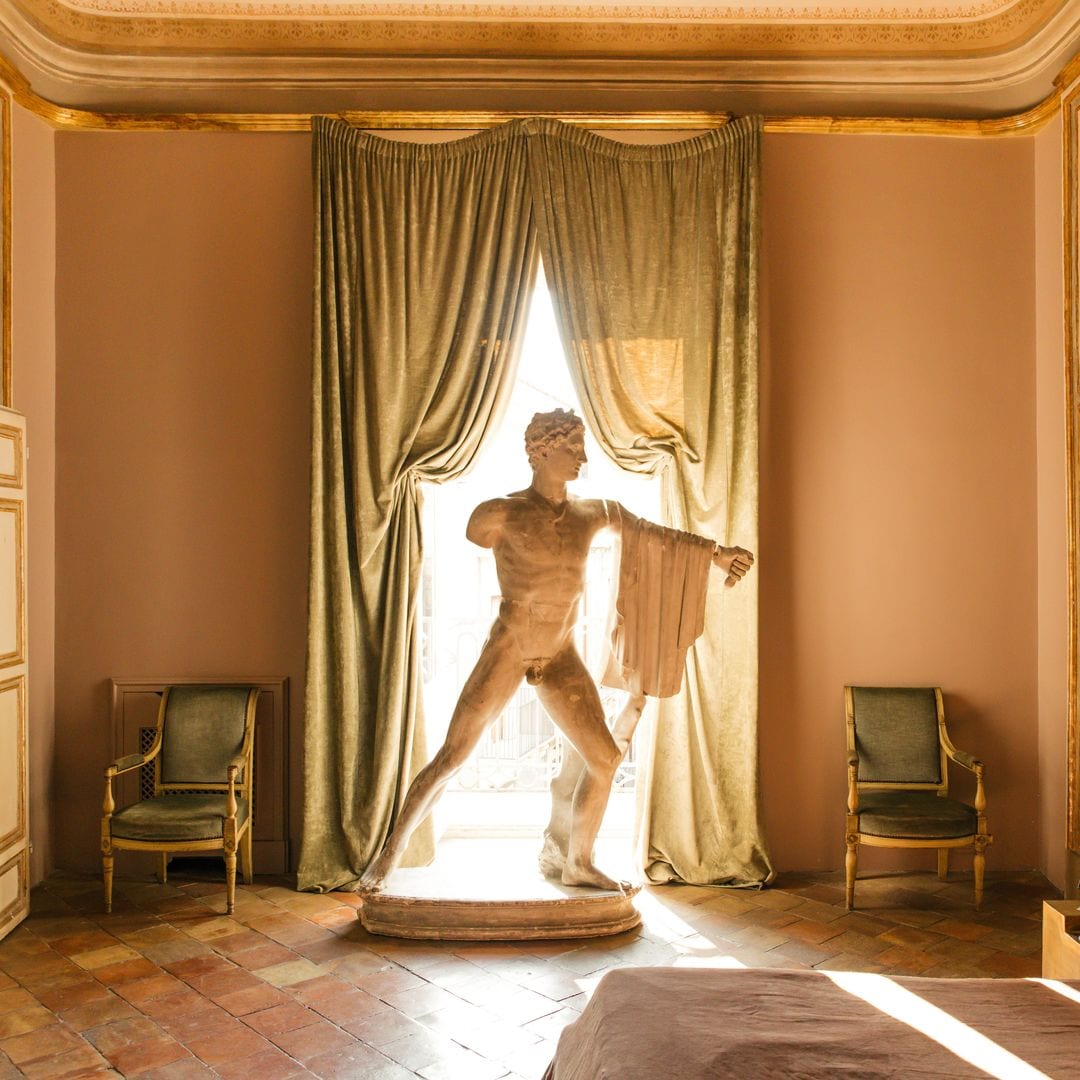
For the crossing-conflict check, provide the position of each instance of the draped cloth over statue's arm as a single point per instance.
(660, 607)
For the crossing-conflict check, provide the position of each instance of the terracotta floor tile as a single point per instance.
(105, 957)
(81, 943)
(139, 990)
(357, 966)
(20, 1021)
(312, 1040)
(350, 1004)
(68, 997)
(83, 1062)
(290, 973)
(43, 1042)
(198, 1023)
(965, 931)
(186, 1068)
(349, 1064)
(280, 1018)
(147, 1057)
(236, 1042)
(811, 931)
(169, 952)
(263, 956)
(385, 1028)
(171, 1006)
(115, 1036)
(15, 998)
(309, 989)
(198, 966)
(252, 999)
(271, 1064)
(907, 961)
(225, 982)
(96, 1013)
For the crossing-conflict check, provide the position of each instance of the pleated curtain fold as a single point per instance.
(424, 263)
(652, 255)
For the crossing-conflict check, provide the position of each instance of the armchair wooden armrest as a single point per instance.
(961, 757)
(126, 764)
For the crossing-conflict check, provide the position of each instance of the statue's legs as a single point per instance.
(569, 695)
(557, 833)
(487, 690)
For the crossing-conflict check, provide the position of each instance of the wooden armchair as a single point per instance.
(203, 763)
(898, 782)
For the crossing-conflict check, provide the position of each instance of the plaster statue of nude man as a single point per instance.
(540, 538)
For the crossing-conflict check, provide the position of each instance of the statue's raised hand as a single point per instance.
(734, 560)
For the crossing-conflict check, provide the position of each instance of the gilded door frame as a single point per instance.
(1071, 215)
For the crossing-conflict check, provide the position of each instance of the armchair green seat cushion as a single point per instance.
(914, 815)
(203, 765)
(898, 755)
(176, 818)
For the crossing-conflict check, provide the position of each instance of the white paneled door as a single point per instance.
(14, 834)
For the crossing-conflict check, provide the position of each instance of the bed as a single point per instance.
(689, 1023)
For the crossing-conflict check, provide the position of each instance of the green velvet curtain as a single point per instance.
(424, 261)
(652, 254)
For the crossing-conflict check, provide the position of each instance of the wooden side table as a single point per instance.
(1060, 947)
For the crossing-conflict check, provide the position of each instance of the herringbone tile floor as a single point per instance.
(291, 986)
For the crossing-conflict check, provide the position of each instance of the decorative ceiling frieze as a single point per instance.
(979, 58)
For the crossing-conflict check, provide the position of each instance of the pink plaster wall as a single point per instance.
(899, 501)
(33, 345)
(898, 510)
(183, 344)
(1052, 501)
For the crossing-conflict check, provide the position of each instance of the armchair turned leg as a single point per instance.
(107, 878)
(230, 881)
(943, 864)
(979, 868)
(245, 857)
(163, 868)
(850, 863)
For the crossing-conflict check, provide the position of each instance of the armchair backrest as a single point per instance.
(895, 731)
(202, 730)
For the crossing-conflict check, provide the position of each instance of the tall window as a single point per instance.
(503, 788)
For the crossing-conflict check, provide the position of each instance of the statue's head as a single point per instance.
(547, 429)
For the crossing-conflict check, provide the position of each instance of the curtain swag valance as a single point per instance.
(425, 258)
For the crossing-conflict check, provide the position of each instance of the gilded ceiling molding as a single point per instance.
(607, 12)
(1025, 123)
(647, 32)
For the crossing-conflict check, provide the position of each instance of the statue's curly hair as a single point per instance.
(547, 428)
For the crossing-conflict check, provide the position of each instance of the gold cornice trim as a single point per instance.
(134, 33)
(1028, 122)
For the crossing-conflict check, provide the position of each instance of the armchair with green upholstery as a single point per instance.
(203, 761)
(898, 781)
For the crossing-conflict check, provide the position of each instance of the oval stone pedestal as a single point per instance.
(499, 900)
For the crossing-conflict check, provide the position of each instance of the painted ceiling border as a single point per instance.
(296, 32)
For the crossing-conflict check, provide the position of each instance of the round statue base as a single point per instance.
(501, 904)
